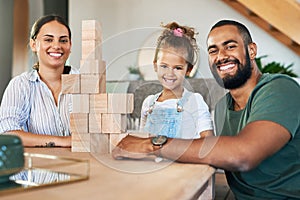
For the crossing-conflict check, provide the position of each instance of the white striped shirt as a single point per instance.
(29, 105)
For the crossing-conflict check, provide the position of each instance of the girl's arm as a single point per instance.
(206, 133)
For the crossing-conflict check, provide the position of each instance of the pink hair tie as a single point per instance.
(178, 32)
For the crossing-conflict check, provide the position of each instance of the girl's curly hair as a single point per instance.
(186, 41)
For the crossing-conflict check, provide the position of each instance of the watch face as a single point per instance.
(159, 140)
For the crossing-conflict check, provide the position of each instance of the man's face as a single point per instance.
(229, 59)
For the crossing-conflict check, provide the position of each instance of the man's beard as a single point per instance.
(237, 80)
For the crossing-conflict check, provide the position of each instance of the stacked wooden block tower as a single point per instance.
(98, 120)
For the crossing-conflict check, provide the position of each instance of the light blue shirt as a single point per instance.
(29, 105)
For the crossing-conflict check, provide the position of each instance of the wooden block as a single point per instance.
(91, 49)
(79, 132)
(92, 67)
(114, 123)
(81, 142)
(80, 103)
(114, 139)
(80, 147)
(102, 88)
(120, 103)
(95, 122)
(102, 67)
(90, 25)
(99, 143)
(130, 102)
(98, 103)
(93, 83)
(78, 123)
(81, 137)
(105, 143)
(93, 34)
(70, 83)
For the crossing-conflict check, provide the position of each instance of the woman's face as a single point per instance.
(52, 45)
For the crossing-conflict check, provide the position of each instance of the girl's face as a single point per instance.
(171, 68)
(52, 45)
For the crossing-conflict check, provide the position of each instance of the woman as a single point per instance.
(32, 106)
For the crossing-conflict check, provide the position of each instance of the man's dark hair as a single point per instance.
(241, 27)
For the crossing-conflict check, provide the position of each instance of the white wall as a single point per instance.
(128, 24)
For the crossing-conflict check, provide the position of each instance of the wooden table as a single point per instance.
(126, 179)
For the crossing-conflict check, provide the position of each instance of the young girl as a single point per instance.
(32, 106)
(176, 112)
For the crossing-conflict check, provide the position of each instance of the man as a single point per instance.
(257, 122)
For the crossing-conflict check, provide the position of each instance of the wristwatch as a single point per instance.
(159, 140)
(157, 143)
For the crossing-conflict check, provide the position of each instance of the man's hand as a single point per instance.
(134, 148)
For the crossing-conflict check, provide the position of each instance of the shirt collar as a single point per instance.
(34, 76)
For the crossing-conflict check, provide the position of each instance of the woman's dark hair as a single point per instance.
(185, 40)
(44, 20)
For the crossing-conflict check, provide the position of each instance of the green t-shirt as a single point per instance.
(275, 98)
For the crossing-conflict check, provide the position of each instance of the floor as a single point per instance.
(222, 190)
